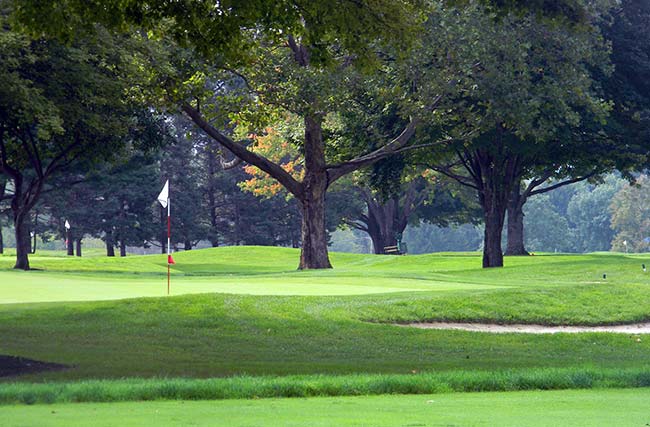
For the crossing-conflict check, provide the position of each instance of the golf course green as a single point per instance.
(242, 322)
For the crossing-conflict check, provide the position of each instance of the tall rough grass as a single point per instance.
(320, 385)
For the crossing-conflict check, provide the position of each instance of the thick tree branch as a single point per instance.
(397, 145)
(300, 53)
(273, 169)
(461, 179)
(465, 160)
(536, 182)
(335, 172)
(38, 163)
(355, 224)
(563, 183)
(56, 163)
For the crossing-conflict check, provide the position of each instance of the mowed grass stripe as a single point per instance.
(533, 409)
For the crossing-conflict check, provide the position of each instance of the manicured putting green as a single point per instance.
(36, 286)
(272, 271)
(239, 270)
(539, 408)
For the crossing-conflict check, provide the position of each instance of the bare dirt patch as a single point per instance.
(633, 329)
(11, 366)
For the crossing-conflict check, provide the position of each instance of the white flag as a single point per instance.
(67, 225)
(163, 197)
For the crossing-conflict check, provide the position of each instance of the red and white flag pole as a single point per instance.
(165, 201)
(169, 243)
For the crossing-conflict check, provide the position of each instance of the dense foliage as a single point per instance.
(341, 122)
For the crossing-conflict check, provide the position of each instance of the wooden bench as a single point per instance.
(395, 250)
(392, 250)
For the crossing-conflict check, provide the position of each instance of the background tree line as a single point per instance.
(360, 114)
(578, 218)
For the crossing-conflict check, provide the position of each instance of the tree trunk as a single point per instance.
(78, 247)
(498, 179)
(212, 201)
(376, 237)
(313, 253)
(23, 242)
(110, 247)
(70, 243)
(515, 244)
(492, 255)
(381, 224)
(387, 221)
(122, 248)
(188, 245)
(494, 172)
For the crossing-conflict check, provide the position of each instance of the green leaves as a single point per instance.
(221, 31)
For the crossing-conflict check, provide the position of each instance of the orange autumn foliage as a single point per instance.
(274, 147)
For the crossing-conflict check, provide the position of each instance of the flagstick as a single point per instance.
(165, 202)
(169, 239)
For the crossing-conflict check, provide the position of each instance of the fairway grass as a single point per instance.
(245, 312)
(533, 409)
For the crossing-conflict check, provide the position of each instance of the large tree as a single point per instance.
(307, 44)
(534, 95)
(628, 126)
(576, 158)
(61, 106)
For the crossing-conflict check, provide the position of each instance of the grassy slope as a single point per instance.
(549, 408)
(202, 336)
(227, 334)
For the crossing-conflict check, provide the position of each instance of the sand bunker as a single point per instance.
(634, 329)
